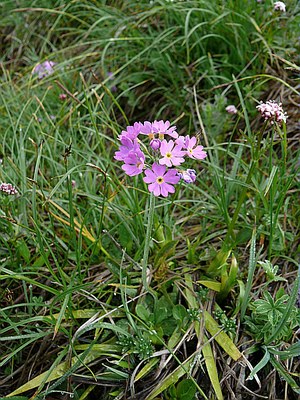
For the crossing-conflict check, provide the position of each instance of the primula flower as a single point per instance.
(163, 128)
(127, 147)
(134, 163)
(272, 111)
(8, 188)
(231, 109)
(44, 69)
(132, 132)
(279, 6)
(192, 151)
(166, 155)
(155, 144)
(160, 181)
(189, 176)
(159, 128)
(172, 153)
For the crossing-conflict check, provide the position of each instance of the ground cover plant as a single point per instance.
(149, 192)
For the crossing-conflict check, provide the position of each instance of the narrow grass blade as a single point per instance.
(252, 265)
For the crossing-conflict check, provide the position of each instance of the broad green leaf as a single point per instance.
(213, 285)
(221, 337)
(186, 390)
(142, 312)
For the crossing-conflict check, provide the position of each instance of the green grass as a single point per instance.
(78, 316)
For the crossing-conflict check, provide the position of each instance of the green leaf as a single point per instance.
(186, 390)
(163, 310)
(211, 368)
(284, 374)
(213, 285)
(179, 312)
(221, 337)
(165, 251)
(263, 362)
(142, 312)
(23, 250)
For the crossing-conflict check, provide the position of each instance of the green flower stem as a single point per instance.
(148, 240)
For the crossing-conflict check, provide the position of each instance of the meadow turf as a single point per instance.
(106, 291)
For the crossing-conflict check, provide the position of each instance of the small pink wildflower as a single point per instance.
(155, 144)
(44, 69)
(163, 128)
(8, 188)
(189, 176)
(132, 132)
(158, 128)
(231, 109)
(272, 111)
(127, 147)
(62, 96)
(192, 151)
(172, 153)
(160, 181)
(134, 163)
(279, 6)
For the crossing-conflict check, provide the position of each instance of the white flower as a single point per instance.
(279, 6)
(231, 109)
(272, 111)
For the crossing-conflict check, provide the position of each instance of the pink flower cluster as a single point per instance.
(162, 155)
(272, 111)
(44, 69)
(8, 188)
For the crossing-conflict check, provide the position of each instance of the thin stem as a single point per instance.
(148, 240)
(244, 192)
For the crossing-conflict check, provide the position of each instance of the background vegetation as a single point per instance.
(221, 319)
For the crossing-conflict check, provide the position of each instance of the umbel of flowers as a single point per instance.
(159, 157)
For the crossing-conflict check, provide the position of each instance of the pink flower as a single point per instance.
(132, 132)
(163, 128)
(155, 144)
(127, 147)
(160, 181)
(192, 151)
(272, 111)
(231, 109)
(8, 188)
(134, 163)
(62, 96)
(189, 176)
(172, 153)
(44, 69)
(160, 128)
(279, 6)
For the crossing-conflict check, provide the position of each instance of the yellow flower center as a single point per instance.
(169, 155)
(160, 180)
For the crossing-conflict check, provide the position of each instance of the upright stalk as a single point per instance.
(148, 240)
